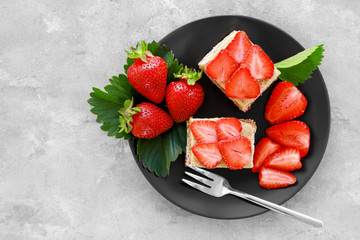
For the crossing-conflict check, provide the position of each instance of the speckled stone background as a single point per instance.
(61, 177)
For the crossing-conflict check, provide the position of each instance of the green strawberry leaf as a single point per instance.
(129, 62)
(297, 69)
(172, 64)
(107, 103)
(156, 154)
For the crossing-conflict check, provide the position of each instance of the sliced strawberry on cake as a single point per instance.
(227, 128)
(239, 46)
(204, 131)
(219, 67)
(242, 85)
(208, 154)
(259, 64)
(230, 133)
(291, 134)
(222, 67)
(285, 103)
(236, 152)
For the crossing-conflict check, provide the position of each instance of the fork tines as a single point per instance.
(207, 182)
(204, 172)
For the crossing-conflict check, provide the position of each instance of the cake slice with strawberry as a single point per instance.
(241, 69)
(220, 143)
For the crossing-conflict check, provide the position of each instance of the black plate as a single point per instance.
(190, 44)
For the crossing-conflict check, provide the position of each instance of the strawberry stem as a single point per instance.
(141, 51)
(126, 113)
(189, 74)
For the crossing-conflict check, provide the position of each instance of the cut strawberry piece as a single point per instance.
(208, 154)
(239, 46)
(227, 128)
(259, 64)
(236, 152)
(285, 103)
(204, 131)
(272, 178)
(263, 149)
(291, 134)
(288, 159)
(221, 67)
(242, 85)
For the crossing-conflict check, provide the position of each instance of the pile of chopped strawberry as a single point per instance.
(280, 152)
(282, 149)
(217, 140)
(239, 66)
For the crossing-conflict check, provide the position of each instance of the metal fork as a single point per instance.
(219, 186)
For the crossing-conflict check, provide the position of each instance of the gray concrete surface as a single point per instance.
(61, 177)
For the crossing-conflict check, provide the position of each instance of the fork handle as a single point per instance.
(277, 208)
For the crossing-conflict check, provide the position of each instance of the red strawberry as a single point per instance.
(288, 159)
(184, 97)
(259, 64)
(236, 152)
(242, 85)
(239, 46)
(145, 120)
(285, 103)
(291, 134)
(272, 178)
(221, 67)
(148, 73)
(263, 149)
(204, 131)
(227, 128)
(208, 154)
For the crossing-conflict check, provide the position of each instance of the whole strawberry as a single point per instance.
(184, 97)
(148, 73)
(145, 120)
